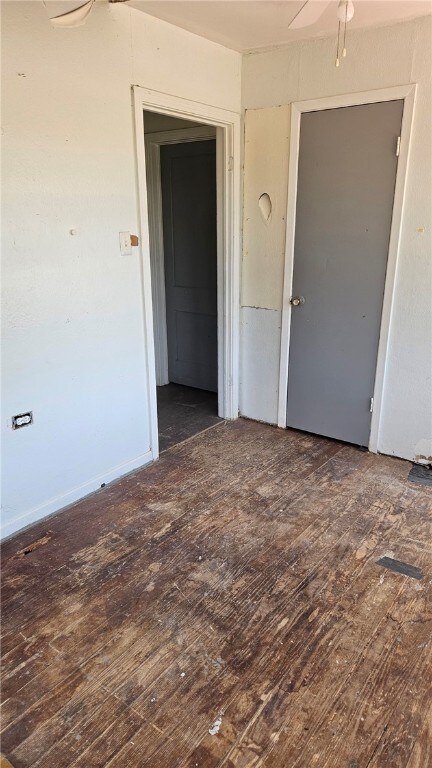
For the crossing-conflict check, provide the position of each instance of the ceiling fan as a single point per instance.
(312, 10)
(73, 13)
(70, 13)
(309, 13)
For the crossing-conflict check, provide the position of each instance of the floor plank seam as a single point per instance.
(377, 745)
(192, 437)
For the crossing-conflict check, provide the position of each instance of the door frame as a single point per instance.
(153, 144)
(228, 178)
(407, 94)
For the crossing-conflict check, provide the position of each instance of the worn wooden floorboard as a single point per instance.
(236, 578)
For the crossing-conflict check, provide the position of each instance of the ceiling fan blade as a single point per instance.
(68, 14)
(309, 13)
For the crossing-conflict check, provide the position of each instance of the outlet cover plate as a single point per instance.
(22, 420)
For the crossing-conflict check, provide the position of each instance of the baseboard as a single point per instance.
(58, 503)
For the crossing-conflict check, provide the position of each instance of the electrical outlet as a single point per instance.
(125, 243)
(22, 420)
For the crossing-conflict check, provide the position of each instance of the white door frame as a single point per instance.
(153, 143)
(228, 166)
(407, 93)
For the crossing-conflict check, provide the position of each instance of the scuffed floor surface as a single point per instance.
(223, 607)
(183, 412)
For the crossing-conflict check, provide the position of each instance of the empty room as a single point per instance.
(216, 398)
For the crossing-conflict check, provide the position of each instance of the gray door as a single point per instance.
(188, 173)
(346, 181)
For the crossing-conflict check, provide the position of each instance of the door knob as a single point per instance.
(297, 301)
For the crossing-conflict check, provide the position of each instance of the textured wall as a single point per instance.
(265, 172)
(377, 58)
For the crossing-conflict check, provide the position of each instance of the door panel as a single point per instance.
(196, 334)
(346, 180)
(188, 175)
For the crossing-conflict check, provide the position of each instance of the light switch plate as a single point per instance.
(125, 243)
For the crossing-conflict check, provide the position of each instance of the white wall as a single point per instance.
(376, 58)
(73, 345)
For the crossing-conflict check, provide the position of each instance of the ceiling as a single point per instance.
(246, 25)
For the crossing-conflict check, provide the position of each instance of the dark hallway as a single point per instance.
(183, 412)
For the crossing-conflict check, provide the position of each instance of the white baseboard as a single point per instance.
(58, 503)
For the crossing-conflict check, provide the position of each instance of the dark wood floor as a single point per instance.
(183, 412)
(224, 607)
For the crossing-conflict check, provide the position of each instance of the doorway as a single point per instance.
(228, 178)
(348, 162)
(182, 195)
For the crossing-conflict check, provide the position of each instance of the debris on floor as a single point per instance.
(34, 545)
(215, 727)
(399, 567)
(421, 474)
